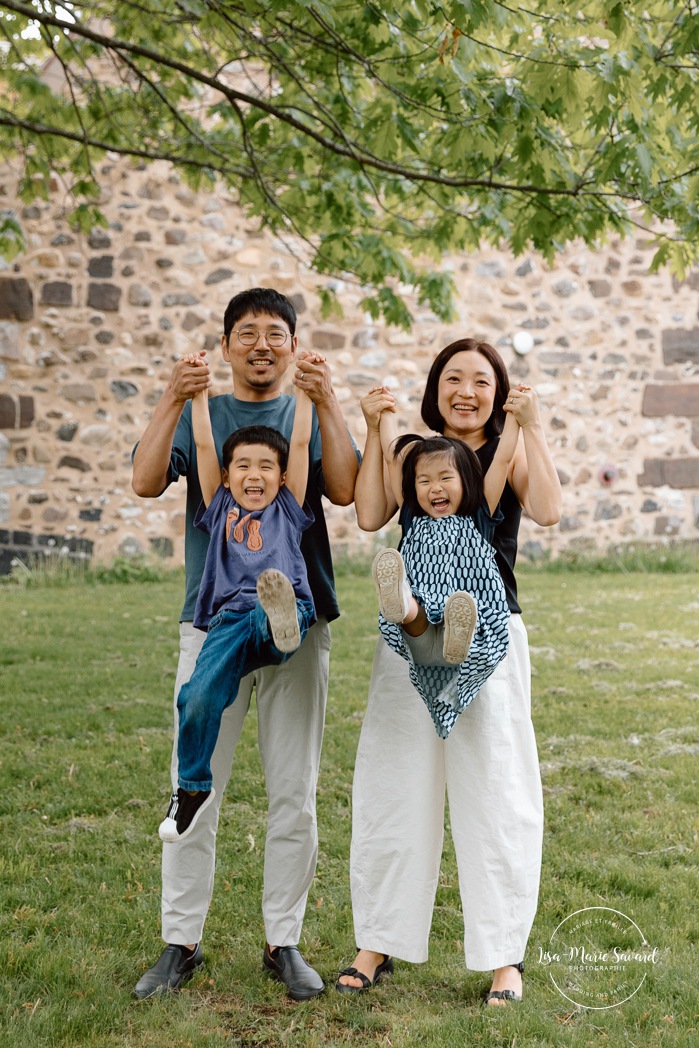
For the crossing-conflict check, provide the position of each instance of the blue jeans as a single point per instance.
(237, 643)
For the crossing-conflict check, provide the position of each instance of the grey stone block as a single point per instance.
(16, 299)
(104, 296)
(680, 346)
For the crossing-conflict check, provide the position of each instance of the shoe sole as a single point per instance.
(460, 621)
(278, 600)
(167, 831)
(388, 572)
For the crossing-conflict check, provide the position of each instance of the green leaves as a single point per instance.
(384, 135)
(11, 237)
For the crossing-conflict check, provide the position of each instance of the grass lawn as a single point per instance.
(86, 673)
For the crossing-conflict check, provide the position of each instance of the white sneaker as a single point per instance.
(460, 621)
(278, 600)
(391, 584)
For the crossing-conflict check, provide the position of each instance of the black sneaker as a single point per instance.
(183, 813)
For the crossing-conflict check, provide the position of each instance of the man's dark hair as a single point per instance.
(430, 410)
(259, 300)
(265, 435)
(464, 460)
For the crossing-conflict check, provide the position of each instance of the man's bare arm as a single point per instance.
(340, 464)
(152, 457)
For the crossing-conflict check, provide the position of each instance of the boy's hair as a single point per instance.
(430, 411)
(265, 435)
(465, 463)
(259, 300)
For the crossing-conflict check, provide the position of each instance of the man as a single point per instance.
(259, 343)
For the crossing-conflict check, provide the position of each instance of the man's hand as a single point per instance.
(190, 376)
(312, 375)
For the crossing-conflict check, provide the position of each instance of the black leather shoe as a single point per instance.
(287, 964)
(171, 970)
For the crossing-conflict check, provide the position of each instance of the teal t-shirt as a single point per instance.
(227, 415)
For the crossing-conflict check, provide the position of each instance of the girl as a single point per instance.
(450, 620)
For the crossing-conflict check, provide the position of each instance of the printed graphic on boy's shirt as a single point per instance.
(254, 536)
(254, 541)
(233, 515)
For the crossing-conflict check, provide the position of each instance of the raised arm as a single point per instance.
(533, 476)
(207, 460)
(496, 476)
(373, 495)
(152, 457)
(297, 466)
(388, 431)
(340, 465)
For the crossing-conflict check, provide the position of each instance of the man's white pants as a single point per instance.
(291, 702)
(489, 769)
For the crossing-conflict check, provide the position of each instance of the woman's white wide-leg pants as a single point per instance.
(489, 769)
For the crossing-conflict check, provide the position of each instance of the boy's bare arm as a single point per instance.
(207, 460)
(297, 466)
(496, 477)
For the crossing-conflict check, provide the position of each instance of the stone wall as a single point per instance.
(90, 326)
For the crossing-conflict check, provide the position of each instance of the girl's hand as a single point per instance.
(375, 402)
(523, 403)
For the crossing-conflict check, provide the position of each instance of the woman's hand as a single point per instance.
(374, 403)
(523, 403)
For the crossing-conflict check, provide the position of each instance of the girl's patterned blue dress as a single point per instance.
(441, 556)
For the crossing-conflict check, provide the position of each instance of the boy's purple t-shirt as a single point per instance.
(242, 545)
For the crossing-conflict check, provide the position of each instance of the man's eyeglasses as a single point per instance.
(250, 336)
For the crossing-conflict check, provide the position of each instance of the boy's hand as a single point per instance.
(375, 402)
(312, 375)
(190, 376)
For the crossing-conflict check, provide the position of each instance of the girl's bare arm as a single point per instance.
(496, 476)
(373, 495)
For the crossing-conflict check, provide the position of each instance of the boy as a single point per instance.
(255, 614)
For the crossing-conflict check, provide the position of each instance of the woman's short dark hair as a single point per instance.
(430, 409)
(464, 460)
(259, 300)
(265, 435)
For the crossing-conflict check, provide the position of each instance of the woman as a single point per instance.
(489, 765)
